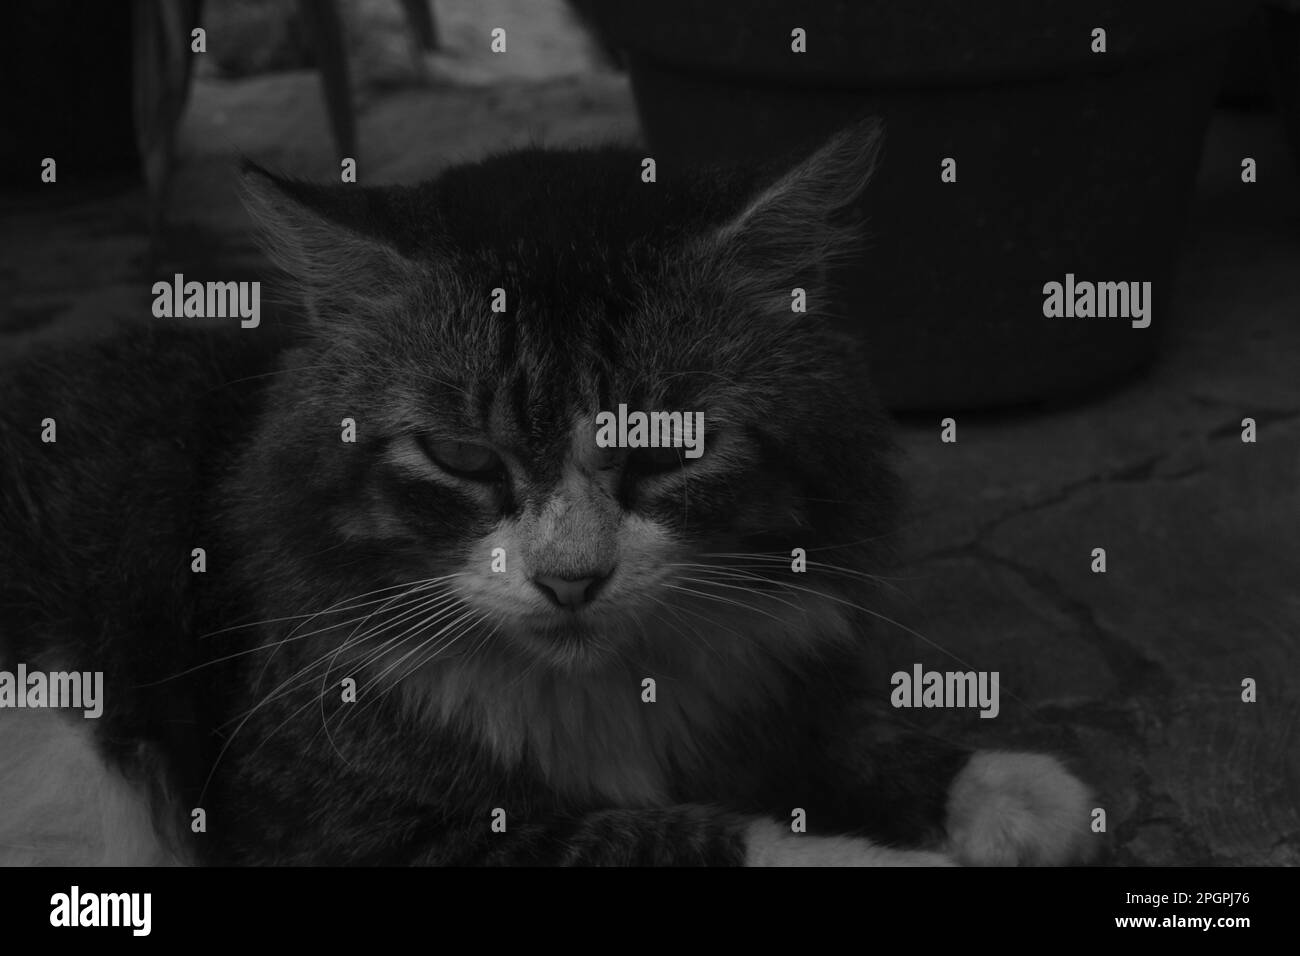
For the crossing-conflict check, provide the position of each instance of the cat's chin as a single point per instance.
(574, 647)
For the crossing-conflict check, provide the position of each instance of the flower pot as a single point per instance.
(69, 97)
(1067, 161)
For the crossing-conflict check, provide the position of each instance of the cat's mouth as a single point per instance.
(564, 628)
(571, 639)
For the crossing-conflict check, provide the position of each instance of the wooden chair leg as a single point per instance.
(419, 14)
(161, 70)
(324, 28)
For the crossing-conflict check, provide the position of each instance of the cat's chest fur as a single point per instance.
(590, 736)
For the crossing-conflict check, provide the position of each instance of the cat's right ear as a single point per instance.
(799, 226)
(318, 236)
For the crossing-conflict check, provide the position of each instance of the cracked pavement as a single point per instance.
(1135, 674)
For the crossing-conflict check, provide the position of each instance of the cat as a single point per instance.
(431, 620)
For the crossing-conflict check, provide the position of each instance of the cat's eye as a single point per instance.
(464, 459)
(645, 462)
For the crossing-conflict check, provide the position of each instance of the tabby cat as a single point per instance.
(433, 620)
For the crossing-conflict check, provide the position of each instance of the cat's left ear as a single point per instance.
(327, 240)
(803, 223)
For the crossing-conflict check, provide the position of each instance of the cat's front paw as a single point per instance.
(1018, 809)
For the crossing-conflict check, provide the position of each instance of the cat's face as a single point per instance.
(476, 464)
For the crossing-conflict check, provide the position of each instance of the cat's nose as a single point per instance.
(572, 593)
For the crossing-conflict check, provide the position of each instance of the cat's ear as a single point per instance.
(326, 239)
(803, 223)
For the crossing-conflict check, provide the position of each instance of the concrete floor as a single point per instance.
(1138, 671)
(1135, 673)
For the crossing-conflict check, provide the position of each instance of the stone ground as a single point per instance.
(1138, 671)
(1135, 673)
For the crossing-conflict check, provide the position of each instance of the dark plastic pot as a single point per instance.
(68, 96)
(1067, 162)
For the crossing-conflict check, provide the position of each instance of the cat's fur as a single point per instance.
(224, 689)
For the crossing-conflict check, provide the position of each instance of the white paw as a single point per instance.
(772, 844)
(1018, 809)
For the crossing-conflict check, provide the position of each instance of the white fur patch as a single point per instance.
(1018, 809)
(768, 843)
(61, 805)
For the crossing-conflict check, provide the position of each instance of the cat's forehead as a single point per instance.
(550, 403)
(564, 207)
(559, 300)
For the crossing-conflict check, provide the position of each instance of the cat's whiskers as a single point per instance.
(463, 625)
(785, 559)
(429, 656)
(441, 580)
(431, 621)
(684, 628)
(723, 600)
(467, 656)
(299, 679)
(371, 656)
(826, 595)
(491, 617)
(712, 581)
(856, 543)
(243, 718)
(270, 646)
(338, 606)
(278, 371)
(448, 598)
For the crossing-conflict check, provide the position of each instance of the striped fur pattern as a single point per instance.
(368, 670)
